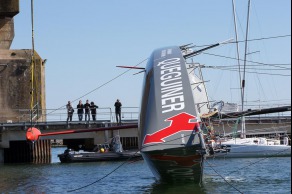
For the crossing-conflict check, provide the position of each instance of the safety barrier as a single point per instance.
(51, 115)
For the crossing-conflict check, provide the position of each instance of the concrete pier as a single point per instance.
(15, 149)
(16, 92)
(16, 114)
(13, 142)
(28, 152)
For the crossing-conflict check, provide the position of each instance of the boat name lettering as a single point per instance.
(172, 97)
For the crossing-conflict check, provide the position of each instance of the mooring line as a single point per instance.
(104, 84)
(224, 178)
(241, 168)
(118, 167)
(105, 175)
(256, 162)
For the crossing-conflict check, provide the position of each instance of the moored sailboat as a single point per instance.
(243, 146)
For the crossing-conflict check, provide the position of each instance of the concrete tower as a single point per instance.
(16, 73)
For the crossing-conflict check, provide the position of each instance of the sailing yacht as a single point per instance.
(251, 148)
(244, 147)
(234, 147)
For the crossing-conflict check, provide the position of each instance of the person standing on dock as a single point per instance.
(87, 110)
(80, 110)
(93, 108)
(118, 107)
(70, 111)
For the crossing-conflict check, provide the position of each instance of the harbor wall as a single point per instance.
(17, 83)
(8, 9)
(13, 140)
(16, 88)
(129, 137)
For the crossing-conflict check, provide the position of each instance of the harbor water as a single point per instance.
(253, 175)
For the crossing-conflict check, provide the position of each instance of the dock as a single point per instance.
(15, 149)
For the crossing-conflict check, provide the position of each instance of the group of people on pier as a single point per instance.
(90, 108)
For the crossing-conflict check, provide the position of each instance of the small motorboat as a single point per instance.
(101, 152)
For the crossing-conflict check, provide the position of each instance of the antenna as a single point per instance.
(186, 46)
(131, 67)
(207, 48)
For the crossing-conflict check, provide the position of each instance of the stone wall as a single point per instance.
(15, 85)
(16, 73)
(8, 9)
(6, 32)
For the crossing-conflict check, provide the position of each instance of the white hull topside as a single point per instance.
(252, 147)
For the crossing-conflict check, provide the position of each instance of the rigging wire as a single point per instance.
(251, 164)
(265, 38)
(252, 72)
(273, 65)
(242, 167)
(251, 40)
(237, 47)
(104, 84)
(258, 69)
(122, 164)
(249, 67)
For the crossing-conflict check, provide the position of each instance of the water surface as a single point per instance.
(271, 175)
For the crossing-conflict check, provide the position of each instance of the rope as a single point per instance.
(241, 168)
(223, 178)
(123, 165)
(99, 86)
(256, 162)
(251, 40)
(105, 175)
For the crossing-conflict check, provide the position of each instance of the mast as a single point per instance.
(244, 67)
(237, 46)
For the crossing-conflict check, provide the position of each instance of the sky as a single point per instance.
(84, 41)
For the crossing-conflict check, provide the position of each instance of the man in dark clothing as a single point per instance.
(118, 108)
(70, 111)
(80, 110)
(93, 108)
(87, 110)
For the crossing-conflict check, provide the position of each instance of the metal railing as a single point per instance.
(52, 115)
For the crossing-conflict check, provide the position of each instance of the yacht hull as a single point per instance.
(169, 125)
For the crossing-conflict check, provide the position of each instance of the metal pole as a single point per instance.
(244, 67)
(32, 57)
(237, 46)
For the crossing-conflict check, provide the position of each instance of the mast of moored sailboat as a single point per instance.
(238, 58)
(241, 81)
(243, 134)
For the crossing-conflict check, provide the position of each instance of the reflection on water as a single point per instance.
(161, 188)
(136, 177)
